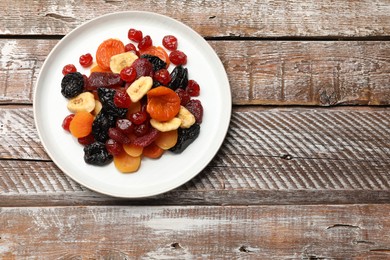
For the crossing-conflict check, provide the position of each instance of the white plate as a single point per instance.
(154, 176)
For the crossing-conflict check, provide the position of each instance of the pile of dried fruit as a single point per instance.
(131, 106)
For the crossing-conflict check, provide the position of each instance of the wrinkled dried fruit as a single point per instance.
(179, 78)
(147, 139)
(106, 97)
(157, 63)
(97, 154)
(72, 84)
(104, 80)
(185, 137)
(196, 108)
(103, 121)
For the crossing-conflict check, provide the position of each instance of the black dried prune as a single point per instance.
(179, 78)
(104, 80)
(106, 96)
(157, 63)
(103, 121)
(97, 154)
(72, 84)
(185, 137)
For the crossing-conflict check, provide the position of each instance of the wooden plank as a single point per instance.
(260, 72)
(211, 18)
(268, 156)
(261, 232)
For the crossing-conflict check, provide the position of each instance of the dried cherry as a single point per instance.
(170, 42)
(69, 68)
(178, 57)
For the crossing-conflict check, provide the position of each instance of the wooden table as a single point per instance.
(304, 171)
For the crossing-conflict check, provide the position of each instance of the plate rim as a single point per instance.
(227, 112)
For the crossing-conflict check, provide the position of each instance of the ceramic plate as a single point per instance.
(154, 176)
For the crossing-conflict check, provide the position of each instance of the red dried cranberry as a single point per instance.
(170, 42)
(196, 108)
(162, 76)
(128, 74)
(125, 125)
(134, 35)
(147, 139)
(68, 69)
(122, 99)
(87, 140)
(178, 57)
(142, 129)
(183, 95)
(193, 88)
(130, 47)
(66, 122)
(143, 67)
(113, 147)
(139, 117)
(145, 43)
(86, 60)
(118, 136)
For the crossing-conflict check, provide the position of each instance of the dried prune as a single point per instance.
(103, 121)
(97, 154)
(106, 96)
(185, 137)
(179, 78)
(72, 84)
(157, 63)
(104, 80)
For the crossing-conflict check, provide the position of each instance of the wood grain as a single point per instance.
(268, 156)
(211, 18)
(260, 72)
(234, 232)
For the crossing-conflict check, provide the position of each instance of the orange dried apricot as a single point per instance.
(106, 50)
(81, 124)
(163, 103)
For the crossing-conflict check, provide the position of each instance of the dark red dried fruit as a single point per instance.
(68, 69)
(139, 117)
(170, 42)
(122, 99)
(125, 125)
(66, 122)
(104, 80)
(89, 139)
(86, 60)
(142, 129)
(113, 147)
(196, 108)
(130, 47)
(178, 57)
(147, 139)
(118, 136)
(134, 35)
(143, 67)
(193, 88)
(128, 74)
(145, 43)
(162, 76)
(183, 95)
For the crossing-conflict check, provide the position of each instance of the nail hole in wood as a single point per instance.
(212, 17)
(175, 245)
(244, 249)
(286, 157)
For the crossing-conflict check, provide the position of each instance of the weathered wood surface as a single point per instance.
(206, 232)
(260, 72)
(212, 18)
(269, 156)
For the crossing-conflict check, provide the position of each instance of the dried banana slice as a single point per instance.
(170, 125)
(139, 88)
(186, 117)
(119, 61)
(82, 102)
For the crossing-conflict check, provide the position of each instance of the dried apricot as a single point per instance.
(163, 103)
(152, 151)
(126, 163)
(106, 50)
(167, 140)
(81, 124)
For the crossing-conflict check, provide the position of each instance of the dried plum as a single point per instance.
(106, 96)
(185, 137)
(72, 84)
(156, 61)
(97, 154)
(179, 78)
(104, 80)
(103, 121)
